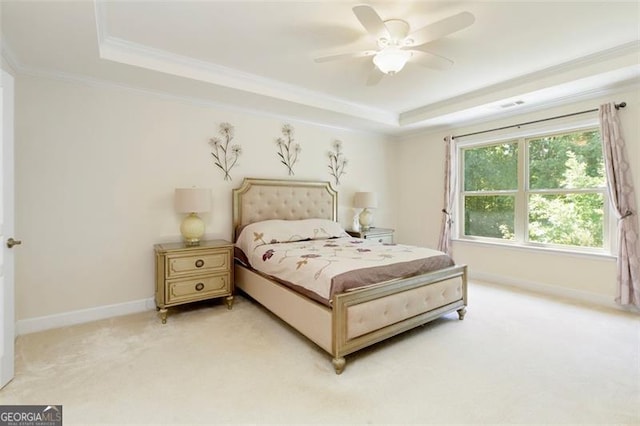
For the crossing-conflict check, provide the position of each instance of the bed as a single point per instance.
(354, 319)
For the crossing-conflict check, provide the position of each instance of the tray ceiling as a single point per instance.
(259, 55)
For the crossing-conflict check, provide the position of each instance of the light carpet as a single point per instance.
(516, 358)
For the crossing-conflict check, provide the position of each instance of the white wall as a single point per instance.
(421, 175)
(95, 172)
(96, 168)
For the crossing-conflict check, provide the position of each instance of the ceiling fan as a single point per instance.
(397, 45)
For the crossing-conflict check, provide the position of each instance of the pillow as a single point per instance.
(285, 231)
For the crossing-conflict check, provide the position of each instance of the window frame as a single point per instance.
(522, 193)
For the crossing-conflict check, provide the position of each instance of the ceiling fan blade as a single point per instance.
(431, 60)
(348, 55)
(371, 21)
(374, 77)
(441, 28)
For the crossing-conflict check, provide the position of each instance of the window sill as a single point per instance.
(530, 248)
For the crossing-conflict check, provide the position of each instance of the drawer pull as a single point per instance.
(199, 286)
(199, 263)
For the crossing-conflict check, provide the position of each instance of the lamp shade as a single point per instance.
(193, 200)
(365, 200)
(391, 60)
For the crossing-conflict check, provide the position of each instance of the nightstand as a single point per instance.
(187, 274)
(382, 235)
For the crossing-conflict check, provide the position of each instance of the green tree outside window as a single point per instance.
(562, 181)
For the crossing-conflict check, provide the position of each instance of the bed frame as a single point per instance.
(359, 318)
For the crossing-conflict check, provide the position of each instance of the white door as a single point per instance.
(7, 315)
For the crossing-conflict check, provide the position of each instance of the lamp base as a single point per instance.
(192, 229)
(365, 219)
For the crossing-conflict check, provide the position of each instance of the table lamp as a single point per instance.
(365, 201)
(192, 201)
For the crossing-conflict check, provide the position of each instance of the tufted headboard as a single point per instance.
(264, 199)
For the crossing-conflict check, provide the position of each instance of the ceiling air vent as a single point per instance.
(511, 104)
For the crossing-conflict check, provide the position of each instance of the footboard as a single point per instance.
(364, 317)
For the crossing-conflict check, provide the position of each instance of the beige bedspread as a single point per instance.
(325, 267)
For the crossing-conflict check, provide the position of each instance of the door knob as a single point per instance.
(11, 242)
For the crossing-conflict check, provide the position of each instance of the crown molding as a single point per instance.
(615, 58)
(126, 52)
(518, 112)
(201, 102)
(8, 55)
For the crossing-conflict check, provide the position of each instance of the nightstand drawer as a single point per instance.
(380, 235)
(206, 263)
(386, 239)
(197, 288)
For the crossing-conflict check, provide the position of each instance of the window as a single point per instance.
(544, 190)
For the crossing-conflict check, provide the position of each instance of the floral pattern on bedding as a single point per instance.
(313, 264)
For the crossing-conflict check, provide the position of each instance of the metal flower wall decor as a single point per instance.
(288, 150)
(225, 157)
(337, 161)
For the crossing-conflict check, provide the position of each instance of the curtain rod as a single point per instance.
(618, 106)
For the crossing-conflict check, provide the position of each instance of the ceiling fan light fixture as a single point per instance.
(391, 60)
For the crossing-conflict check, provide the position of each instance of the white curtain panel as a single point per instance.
(622, 195)
(450, 184)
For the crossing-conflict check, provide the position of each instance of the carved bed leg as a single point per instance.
(338, 364)
(461, 313)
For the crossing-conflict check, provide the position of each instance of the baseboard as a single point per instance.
(551, 290)
(33, 325)
(64, 319)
